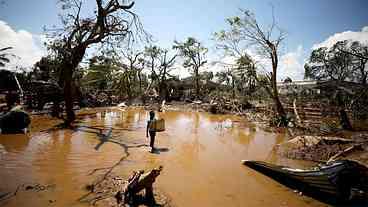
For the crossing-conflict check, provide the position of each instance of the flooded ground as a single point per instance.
(200, 152)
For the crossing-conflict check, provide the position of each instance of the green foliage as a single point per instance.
(338, 62)
(47, 69)
(206, 75)
(100, 74)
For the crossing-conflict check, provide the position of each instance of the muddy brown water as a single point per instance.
(200, 152)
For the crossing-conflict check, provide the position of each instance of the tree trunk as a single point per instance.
(68, 95)
(140, 82)
(344, 118)
(233, 86)
(69, 65)
(197, 82)
(275, 93)
(280, 111)
(128, 87)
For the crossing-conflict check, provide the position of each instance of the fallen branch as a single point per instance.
(296, 112)
(136, 183)
(349, 149)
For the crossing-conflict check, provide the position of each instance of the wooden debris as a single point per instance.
(136, 183)
(116, 191)
(345, 151)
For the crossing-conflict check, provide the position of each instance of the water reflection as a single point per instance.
(200, 153)
(14, 143)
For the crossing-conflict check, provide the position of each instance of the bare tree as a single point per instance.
(246, 33)
(161, 62)
(166, 64)
(152, 56)
(133, 69)
(113, 21)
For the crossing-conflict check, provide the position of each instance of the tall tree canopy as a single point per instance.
(112, 22)
(344, 61)
(246, 33)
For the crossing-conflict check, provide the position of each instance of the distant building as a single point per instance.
(317, 87)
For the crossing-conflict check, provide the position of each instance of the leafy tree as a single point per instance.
(244, 33)
(194, 54)
(344, 61)
(100, 73)
(329, 64)
(47, 69)
(246, 74)
(111, 23)
(228, 77)
(206, 75)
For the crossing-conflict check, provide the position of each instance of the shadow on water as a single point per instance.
(103, 138)
(158, 150)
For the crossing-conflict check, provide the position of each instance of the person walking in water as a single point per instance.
(151, 129)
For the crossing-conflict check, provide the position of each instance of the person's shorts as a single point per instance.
(152, 133)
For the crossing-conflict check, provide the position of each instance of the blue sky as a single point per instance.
(307, 22)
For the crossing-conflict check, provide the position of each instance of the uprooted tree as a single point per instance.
(113, 22)
(246, 33)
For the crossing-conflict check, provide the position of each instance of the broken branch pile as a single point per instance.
(320, 149)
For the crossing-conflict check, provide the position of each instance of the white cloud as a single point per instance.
(26, 46)
(292, 65)
(365, 29)
(361, 36)
(179, 70)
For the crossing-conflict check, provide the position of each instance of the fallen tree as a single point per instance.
(116, 191)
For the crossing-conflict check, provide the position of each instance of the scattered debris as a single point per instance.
(26, 187)
(319, 148)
